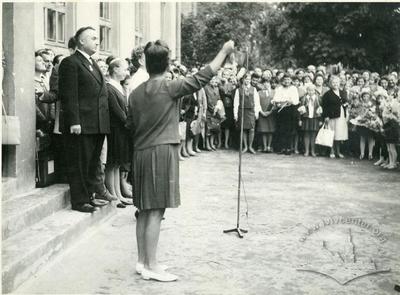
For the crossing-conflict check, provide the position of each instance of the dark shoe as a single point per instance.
(137, 214)
(128, 195)
(87, 208)
(105, 196)
(98, 203)
(120, 205)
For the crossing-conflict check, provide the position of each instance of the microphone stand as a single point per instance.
(239, 230)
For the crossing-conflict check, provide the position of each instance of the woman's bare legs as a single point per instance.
(313, 135)
(371, 145)
(151, 237)
(307, 143)
(362, 147)
(227, 138)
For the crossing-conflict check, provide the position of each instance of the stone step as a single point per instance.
(24, 210)
(8, 187)
(26, 252)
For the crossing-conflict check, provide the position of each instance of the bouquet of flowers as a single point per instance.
(366, 115)
(355, 104)
(390, 109)
(302, 110)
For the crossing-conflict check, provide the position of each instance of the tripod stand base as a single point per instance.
(239, 231)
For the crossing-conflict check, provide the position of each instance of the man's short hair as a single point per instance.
(72, 43)
(80, 31)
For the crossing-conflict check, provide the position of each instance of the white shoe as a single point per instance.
(161, 277)
(140, 267)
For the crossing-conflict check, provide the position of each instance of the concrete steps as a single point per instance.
(27, 209)
(36, 227)
(8, 187)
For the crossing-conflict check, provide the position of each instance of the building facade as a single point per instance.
(29, 26)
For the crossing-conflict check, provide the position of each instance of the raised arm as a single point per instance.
(189, 85)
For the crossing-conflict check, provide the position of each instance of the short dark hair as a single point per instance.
(136, 56)
(72, 43)
(157, 57)
(80, 31)
(56, 59)
(274, 80)
(109, 59)
(255, 76)
(383, 78)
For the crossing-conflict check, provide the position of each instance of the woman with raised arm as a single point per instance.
(153, 118)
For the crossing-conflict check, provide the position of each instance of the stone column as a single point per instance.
(18, 87)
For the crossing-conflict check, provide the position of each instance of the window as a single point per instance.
(139, 23)
(105, 26)
(105, 38)
(105, 10)
(54, 22)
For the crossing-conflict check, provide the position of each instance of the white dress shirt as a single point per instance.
(286, 94)
(85, 55)
(138, 78)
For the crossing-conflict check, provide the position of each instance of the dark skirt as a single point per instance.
(266, 124)
(118, 146)
(391, 132)
(249, 121)
(310, 124)
(189, 133)
(229, 122)
(364, 131)
(156, 177)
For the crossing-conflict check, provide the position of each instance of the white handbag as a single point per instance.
(325, 136)
(10, 129)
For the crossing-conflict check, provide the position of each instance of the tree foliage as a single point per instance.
(359, 35)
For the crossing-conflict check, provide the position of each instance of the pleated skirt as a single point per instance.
(156, 177)
(310, 124)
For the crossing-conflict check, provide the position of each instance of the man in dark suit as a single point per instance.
(85, 114)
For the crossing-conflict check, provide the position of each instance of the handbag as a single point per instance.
(195, 127)
(325, 136)
(11, 129)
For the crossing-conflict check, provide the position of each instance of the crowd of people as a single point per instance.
(284, 110)
(281, 111)
(106, 119)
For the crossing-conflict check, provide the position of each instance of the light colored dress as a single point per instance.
(339, 126)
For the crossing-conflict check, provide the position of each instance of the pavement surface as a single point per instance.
(315, 226)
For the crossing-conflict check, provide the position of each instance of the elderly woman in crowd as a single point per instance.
(153, 120)
(333, 105)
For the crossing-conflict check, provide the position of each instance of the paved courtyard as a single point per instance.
(316, 226)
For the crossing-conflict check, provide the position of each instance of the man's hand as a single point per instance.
(75, 129)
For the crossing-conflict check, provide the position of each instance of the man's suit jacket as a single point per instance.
(83, 94)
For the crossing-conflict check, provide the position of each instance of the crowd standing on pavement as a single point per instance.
(118, 127)
(282, 112)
